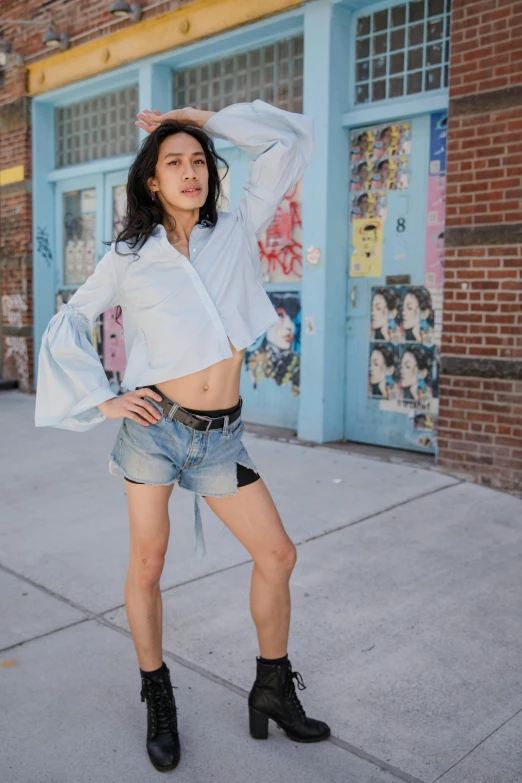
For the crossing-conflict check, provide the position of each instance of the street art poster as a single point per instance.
(379, 161)
(383, 376)
(379, 157)
(369, 204)
(415, 382)
(438, 134)
(281, 246)
(424, 430)
(276, 355)
(404, 339)
(403, 314)
(434, 269)
(367, 239)
(405, 376)
(114, 358)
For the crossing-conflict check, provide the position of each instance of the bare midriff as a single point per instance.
(214, 388)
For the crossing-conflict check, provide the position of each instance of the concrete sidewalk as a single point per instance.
(406, 621)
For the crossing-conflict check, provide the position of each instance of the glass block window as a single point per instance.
(97, 128)
(273, 73)
(402, 50)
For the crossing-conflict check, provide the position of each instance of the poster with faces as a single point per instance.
(369, 204)
(367, 241)
(404, 376)
(379, 157)
(275, 356)
(403, 361)
(403, 314)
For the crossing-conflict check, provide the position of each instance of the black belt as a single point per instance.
(193, 420)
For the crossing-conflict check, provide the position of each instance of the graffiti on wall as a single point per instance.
(43, 245)
(281, 246)
(276, 355)
(13, 308)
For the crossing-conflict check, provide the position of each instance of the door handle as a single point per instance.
(353, 295)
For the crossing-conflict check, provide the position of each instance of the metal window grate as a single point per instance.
(97, 128)
(402, 50)
(273, 73)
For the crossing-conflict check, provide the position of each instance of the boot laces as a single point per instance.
(162, 707)
(292, 693)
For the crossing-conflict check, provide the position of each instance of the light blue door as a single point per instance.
(393, 317)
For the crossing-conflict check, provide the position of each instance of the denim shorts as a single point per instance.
(169, 452)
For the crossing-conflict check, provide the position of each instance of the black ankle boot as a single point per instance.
(162, 723)
(273, 696)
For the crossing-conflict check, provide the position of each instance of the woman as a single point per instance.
(360, 176)
(385, 308)
(383, 366)
(383, 145)
(189, 283)
(416, 374)
(276, 356)
(418, 318)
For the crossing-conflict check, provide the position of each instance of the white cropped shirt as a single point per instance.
(178, 314)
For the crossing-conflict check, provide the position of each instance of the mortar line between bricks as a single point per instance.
(217, 680)
(477, 745)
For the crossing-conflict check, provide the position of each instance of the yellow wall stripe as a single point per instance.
(201, 19)
(14, 174)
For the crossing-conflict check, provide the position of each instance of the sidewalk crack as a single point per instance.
(477, 745)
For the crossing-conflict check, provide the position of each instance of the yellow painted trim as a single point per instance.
(14, 174)
(201, 19)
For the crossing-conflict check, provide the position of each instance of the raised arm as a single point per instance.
(281, 142)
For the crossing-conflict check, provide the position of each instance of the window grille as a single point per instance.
(97, 128)
(402, 50)
(273, 73)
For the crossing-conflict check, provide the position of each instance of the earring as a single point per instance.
(153, 195)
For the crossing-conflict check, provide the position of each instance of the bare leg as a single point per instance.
(252, 517)
(149, 535)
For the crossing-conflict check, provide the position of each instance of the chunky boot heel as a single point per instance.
(163, 745)
(273, 696)
(258, 724)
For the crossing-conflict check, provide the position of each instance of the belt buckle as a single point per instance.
(206, 418)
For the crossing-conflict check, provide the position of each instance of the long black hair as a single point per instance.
(143, 212)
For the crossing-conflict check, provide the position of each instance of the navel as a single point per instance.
(206, 387)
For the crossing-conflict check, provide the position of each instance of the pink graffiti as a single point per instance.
(280, 249)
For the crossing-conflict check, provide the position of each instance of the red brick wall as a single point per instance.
(82, 22)
(480, 431)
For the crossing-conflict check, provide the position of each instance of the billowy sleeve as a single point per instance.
(71, 379)
(282, 144)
